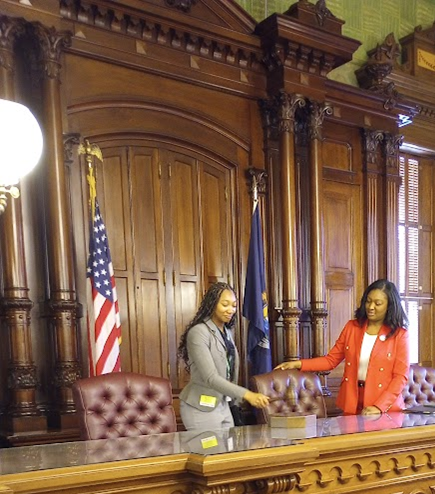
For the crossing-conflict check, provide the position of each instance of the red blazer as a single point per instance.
(387, 372)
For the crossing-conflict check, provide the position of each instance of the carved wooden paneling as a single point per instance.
(342, 223)
(150, 337)
(113, 197)
(343, 228)
(216, 207)
(182, 246)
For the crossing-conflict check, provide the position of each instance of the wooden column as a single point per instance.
(319, 310)
(318, 291)
(287, 105)
(392, 184)
(62, 305)
(22, 412)
(375, 232)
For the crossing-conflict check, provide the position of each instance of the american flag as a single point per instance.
(103, 322)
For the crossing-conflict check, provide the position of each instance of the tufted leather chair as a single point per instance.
(420, 388)
(123, 404)
(290, 391)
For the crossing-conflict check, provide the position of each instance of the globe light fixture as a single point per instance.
(20, 147)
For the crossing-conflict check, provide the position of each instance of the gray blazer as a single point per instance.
(208, 367)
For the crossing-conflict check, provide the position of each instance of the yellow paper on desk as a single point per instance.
(292, 420)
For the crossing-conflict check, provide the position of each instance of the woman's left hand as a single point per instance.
(371, 410)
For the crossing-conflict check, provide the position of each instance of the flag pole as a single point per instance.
(104, 323)
(255, 305)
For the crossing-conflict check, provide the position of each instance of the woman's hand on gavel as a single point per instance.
(257, 400)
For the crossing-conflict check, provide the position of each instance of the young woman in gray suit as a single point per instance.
(211, 358)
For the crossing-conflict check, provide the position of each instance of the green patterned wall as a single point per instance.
(368, 21)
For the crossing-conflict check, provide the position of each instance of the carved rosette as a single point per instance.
(287, 105)
(10, 29)
(317, 115)
(53, 42)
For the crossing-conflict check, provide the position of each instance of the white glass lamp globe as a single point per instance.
(20, 142)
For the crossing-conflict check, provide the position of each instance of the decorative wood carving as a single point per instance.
(269, 118)
(380, 64)
(70, 142)
(392, 146)
(52, 43)
(257, 181)
(372, 139)
(283, 48)
(318, 112)
(184, 5)
(161, 32)
(316, 14)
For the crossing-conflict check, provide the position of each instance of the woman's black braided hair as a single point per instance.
(205, 311)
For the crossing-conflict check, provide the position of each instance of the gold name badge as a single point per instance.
(209, 442)
(207, 401)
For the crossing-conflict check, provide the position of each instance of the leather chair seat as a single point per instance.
(123, 404)
(420, 389)
(289, 391)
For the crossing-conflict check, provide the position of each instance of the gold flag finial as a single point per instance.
(91, 150)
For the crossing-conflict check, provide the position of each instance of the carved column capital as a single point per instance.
(392, 146)
(258, 181)
(52, 43)
(269, 118)
(287, 104)
(69, 141)
(10, 28)
(372, 138)
(318, 111)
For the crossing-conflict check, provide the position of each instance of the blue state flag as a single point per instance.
(255, 302)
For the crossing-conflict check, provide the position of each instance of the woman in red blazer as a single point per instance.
(375, 348)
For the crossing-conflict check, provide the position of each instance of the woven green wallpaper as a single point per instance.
(368, 21)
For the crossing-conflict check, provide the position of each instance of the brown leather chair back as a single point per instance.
(123, 404)
(290, 391)
(420, 388)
